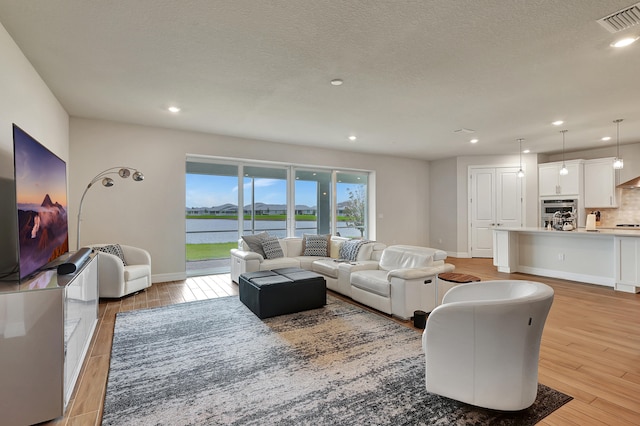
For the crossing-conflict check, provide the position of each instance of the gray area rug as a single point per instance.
(214, 362)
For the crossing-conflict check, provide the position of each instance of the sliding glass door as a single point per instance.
(211, 216)
(265, 200)
(226, 199)
(312, 195)
(352, 201)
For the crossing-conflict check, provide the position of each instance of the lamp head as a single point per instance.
(138, 176)
(124, 173)
(618, 163)
(108, 182)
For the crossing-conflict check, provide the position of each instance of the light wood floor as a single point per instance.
(590, 346)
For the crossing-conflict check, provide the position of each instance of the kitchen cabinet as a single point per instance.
(552, 183)
(627, 250)
(599, 183)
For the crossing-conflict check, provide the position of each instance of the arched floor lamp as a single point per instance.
(123, 172)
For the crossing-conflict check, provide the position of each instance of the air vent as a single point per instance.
(621, 20)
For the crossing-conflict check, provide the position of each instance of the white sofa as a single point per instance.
(482, 344)
(337, 274)
(404, 281)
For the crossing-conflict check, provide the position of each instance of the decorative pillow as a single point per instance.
(349, 250)
(271, 247)
(334, 248)
(315, 245)
(113, 249)
(255, 242)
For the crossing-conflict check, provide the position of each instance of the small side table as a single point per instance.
(448, 280)
(455, 277)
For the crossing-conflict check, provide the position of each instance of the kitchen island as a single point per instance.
(608, 257)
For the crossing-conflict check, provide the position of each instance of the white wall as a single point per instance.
(150, 214)
(450, 176)
(443, 205)
(26, 101)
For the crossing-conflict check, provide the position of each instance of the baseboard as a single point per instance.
(590, 279)
(459, 254)
(163, 278)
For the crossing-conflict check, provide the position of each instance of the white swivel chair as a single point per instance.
(482, 344)
(122, 269)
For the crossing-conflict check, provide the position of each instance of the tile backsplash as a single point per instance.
(627, 212)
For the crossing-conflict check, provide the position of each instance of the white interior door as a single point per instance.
(483, 214)
(495, 201)
(508, 198)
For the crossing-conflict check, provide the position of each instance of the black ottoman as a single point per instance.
(282, 291)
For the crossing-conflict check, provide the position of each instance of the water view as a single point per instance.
(208, 231)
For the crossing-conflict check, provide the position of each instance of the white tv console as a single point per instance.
(46, 326)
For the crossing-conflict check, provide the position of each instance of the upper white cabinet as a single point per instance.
(599, 183)
(552, 183)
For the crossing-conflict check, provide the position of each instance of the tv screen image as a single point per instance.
(41, 198)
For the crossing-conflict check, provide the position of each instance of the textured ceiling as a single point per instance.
(414, 71)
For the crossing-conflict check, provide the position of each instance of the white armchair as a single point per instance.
(482, 344)
(122, 272)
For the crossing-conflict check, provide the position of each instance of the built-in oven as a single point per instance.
(548, 209)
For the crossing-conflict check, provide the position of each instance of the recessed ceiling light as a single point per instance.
(173, 109)
(337, 82)
(474, 141)
(352, 138)
(557, 122)
(624, 42)
(606, 138)
(526, 151)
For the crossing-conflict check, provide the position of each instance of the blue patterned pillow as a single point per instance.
(349, 250)
(315, 245)
(272, 248)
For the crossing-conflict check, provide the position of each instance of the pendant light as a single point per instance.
(563, 171)
(618, 163)
(520, 173)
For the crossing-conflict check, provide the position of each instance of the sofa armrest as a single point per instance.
(246, 255)
(413, 273)
(361, 265)
(110, 275)
(135, 255)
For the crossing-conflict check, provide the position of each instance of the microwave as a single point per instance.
(549, 207)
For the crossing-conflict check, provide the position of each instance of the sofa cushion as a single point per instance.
(315, 245)
(334, 248)
(365, 252)
(372, 281)
(306, 261)
(402, 257)
(133, 272)
(280, 262)
(272, 248)
(255, 242)
(350, 250)
(326, 267)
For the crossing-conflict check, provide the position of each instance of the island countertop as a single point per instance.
(607, 256)
(626, 232)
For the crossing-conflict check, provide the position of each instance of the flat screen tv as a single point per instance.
(41, 199)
